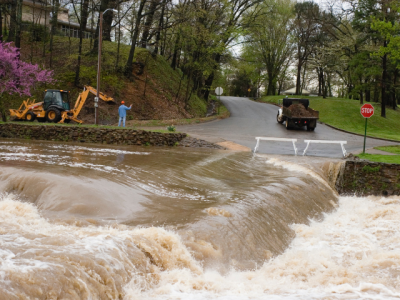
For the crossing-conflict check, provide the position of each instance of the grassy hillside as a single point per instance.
(345, 114)
(158, 93)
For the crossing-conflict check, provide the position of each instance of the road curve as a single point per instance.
(250, 119)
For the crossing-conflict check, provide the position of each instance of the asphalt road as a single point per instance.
(251, 119)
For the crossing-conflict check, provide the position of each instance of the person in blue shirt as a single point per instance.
(122, 113)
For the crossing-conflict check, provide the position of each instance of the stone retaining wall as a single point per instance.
(363, 178)
(89, 135)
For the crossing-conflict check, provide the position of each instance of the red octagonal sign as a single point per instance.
(367, 110)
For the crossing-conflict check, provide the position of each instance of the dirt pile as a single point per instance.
(299, 110)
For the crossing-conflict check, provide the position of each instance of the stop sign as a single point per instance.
(367, 110)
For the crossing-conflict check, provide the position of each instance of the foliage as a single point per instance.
(370, 169)
(390, 159)
(18, 76)
(269, 44)
(391, 149)
(389, 30)
(171, 128)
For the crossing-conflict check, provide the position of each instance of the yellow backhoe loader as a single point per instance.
(55, 107)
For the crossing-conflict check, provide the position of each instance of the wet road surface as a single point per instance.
(251, 119)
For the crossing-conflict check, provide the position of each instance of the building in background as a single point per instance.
(39, 12)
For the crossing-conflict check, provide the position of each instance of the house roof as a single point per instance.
(293, 91)
(75, 25)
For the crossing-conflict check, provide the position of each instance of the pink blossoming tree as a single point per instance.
(16, 76)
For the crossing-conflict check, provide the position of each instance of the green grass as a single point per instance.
(391, 149)
(86, 126)
(390, 159)
(345, 114)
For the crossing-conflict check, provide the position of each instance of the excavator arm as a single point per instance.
(81, 101)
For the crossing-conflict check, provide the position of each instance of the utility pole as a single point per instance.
(96, 100)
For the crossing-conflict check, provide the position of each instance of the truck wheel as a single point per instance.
(311, 125)
(53, 115)
(288, 125)
(279, 120)
(30, 116)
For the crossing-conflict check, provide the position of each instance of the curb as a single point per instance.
(371, 137)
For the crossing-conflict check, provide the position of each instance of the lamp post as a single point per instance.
(96, 99)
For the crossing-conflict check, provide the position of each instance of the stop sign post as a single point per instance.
(367, 110)
(219, 91)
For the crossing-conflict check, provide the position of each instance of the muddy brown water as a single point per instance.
(89, 222)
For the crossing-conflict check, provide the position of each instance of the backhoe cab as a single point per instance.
(56, 107)
(54, 103)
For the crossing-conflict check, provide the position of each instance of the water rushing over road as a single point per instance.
(86, 222)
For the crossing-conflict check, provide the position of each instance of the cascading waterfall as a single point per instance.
(84, 222)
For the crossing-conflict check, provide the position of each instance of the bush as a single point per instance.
(171, 128)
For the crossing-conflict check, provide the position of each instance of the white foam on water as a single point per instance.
(40, 259)
(56, 160)
(96, 150)
(354, 253)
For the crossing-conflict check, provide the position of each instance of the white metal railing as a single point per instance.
(275, 139)
(259, 138)
(342, 143)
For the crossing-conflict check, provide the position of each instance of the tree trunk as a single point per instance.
(319, 81)
(176, 50)
(271, 86)
(82, 27)
(328, 81)
(103, 7)
(376, 91)
(298, 86)
(303, 81)
(44, 35)
(148, 22)
(299, 64)
(13, 18)
(323, 84)
(368, 95)
(18, 24)
(119, 36)
(160, 26)
(384, 75)
(129, 62)
(1, 23)
(210, 78)
(394, 102)
(162, 52)
(3, 109)
(107, 22)
(55, 6)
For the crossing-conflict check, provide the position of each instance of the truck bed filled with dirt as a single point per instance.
(296, 113)
(299, 111)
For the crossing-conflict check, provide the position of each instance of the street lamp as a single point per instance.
(96, 100)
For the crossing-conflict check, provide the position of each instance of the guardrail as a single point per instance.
(325, 142)
(275, 139)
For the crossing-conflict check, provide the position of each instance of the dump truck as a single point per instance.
(55, 107)
(296, 113)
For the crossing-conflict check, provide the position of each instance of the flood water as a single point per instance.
(91, 222)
